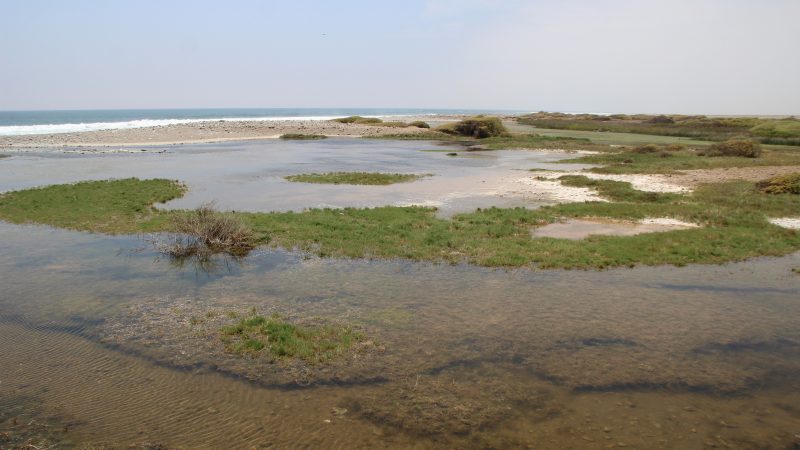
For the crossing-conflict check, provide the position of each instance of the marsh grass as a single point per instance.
(767, 131)
(302, 137)
(357, 178)
(279, 338)
(733, 218)
(110, 206)
(628, 161)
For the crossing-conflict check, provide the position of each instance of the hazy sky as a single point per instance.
(690, 56)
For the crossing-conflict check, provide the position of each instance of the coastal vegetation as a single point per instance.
(784, 184)
(113, 206)
(733, 147)
(379, 122)
(204, 231)
(303, 137)
(364, 178)
(256, 334)
(478, 127)
(766, 131)
(668, 159)
(733, 217)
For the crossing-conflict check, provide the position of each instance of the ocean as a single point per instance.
(14, 123)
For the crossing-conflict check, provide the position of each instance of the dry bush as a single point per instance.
(784, 184)
(205, 231)
(733, 147)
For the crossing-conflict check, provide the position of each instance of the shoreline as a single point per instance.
(205, 132)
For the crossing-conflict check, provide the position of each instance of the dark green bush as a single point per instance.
(648, 148)
(476, 127)
(419, 124)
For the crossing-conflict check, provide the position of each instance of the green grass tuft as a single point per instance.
(365, 178)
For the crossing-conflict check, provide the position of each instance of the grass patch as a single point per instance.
(669, 161)
(767, 131)
(734, 218)
(111, 206)
(359, 120)
(365, 178)
(303, 137)
(257, 334)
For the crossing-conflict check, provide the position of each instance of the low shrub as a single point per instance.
(648, 148)
(660, 119)
(205, 231)
(476, 127)
(419, 124)
(784, 184)
(733, 147)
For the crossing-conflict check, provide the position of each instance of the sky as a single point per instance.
(629, 56)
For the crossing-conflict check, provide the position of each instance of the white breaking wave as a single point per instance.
(18, 130)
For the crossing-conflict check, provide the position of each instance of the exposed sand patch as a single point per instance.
(551, 189)
(642, 182)
(787, 222)
(692, 178)
(577, 229)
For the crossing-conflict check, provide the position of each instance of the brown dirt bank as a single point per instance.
(212, 131)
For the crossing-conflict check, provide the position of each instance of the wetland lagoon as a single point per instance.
(107, 343)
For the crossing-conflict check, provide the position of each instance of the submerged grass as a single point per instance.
(279, 338)
(733, 218)
(364, 178)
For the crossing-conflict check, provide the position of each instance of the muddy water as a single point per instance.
(249, 176)
(96, 349)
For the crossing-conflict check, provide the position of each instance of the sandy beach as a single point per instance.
(199, 132)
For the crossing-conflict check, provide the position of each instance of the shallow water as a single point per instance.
(248, 176)
(94, 340)
(103, 343)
